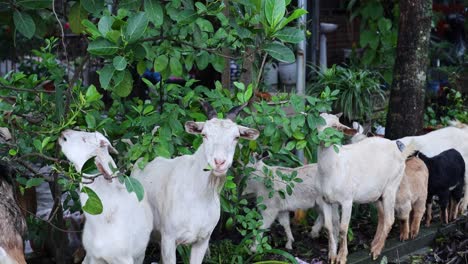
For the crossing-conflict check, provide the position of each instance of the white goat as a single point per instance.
(306, 195)
(184, 195)
(365, 172)
(435, 142)
(121, 232)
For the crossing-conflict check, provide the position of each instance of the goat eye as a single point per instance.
(236, 138)
(64, 139)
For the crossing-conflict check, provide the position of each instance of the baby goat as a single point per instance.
(305, 196)
(12, 223)
(446, 180)
(120, 234)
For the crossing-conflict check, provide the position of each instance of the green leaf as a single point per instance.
(33, 182)
(280, 52)
(274, 11)
(93, 204)
(24, 24)
(90, 167)
(91, 28)
(291, 35)
(45, 141)
(301, 144)
(105, 24)
(105, 75)
(384, 24)
(160, 64)
(136, 26)
(133, 185)
(204, 25)
(92, 94)
(175, 66)
(102, 47)
(217, 62)
(203, 59)
(120, 63)
(154, 12)
(76, 15)
(34, 4)
(124, 88)
(370, 38)
(93, 6)
(113, 36)
(296, 14)
(90, 120)
(37, 144)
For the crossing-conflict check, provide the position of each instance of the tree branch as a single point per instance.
(25, 89)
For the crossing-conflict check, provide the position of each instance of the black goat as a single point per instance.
(446, 180)
(12, 223)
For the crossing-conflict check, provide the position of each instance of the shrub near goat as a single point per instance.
(306, 195)
(120, 234)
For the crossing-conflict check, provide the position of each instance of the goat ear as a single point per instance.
(248, 133)
(110, 148)
(339, 114)
(194, 127)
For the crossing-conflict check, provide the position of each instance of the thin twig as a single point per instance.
(53, 226)
(24, 89)
(63, 37)
(260, 72)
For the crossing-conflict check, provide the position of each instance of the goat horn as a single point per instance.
(235, 111)
(209, 110)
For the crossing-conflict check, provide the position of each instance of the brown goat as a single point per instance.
(12, 223)
(410, 203)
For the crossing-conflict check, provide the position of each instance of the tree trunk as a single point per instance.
(406, 110)
(226, 74)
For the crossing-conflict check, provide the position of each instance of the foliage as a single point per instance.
(378, 34)
(454, 108)
(355, 89)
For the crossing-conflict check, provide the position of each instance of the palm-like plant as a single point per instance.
(357, 88)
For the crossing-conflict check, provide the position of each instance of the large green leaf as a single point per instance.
(91, 28)
(280, 52)
(34, 4)
(154, 12)
(93, 6)
(105, 75)
(93, 205)
(291, 35)
(24, 24)
(369, 38)
(136, 26)
(274, 11)
(76, 15)
(102, 47)
(105, 24)
(124, 88)
(175, 66)
(120, 63)
(161, 62)
(204, 25)
(384, 24)
(133, 185)
(296, 14)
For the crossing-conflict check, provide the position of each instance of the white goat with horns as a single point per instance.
(364, 172)
(184, 195)
(120, 234)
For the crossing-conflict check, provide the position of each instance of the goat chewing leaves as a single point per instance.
(208, 168)
(90, 167)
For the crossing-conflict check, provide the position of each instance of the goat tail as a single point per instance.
(407, 150)
(458, 124)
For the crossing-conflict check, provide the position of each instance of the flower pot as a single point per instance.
(270, 76)
(287, 73)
